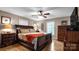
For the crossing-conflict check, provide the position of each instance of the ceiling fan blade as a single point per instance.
(44, 16)
(47, 14)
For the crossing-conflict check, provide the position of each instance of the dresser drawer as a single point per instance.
(8, 39)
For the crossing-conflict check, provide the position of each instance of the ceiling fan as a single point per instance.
(42, 13)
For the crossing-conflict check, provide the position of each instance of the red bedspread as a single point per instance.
(30, 37)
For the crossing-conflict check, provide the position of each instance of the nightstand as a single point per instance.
(7, 39)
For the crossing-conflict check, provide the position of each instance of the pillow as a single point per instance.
(24, 30)
(32, 30)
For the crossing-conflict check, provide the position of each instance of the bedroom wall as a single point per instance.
(57, 23)
(15, 19)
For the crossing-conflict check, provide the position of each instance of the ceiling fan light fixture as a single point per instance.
(40, 17)
(34, 13)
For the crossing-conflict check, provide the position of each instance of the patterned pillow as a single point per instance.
(24, 30)
(32, 30)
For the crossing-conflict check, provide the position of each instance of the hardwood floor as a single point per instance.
(18, 47)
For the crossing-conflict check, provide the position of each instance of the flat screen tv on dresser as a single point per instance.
(74, 20)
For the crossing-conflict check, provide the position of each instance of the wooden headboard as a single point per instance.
(24, 27)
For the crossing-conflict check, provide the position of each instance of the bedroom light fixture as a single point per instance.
(34, 13)
(40, 17)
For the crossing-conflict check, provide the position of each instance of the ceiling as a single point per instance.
(29, 11)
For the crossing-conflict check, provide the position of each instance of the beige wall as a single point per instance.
(57, 23)
(15, 19)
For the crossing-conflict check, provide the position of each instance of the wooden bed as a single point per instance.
(42, 41)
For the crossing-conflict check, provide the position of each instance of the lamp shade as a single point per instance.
(7, 26)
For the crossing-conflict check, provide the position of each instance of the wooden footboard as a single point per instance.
(43, 41)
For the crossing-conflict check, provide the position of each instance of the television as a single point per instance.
(74, 20)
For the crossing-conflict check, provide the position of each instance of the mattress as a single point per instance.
(30, 37)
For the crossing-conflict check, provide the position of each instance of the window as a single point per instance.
(50, 27)
(23, 22)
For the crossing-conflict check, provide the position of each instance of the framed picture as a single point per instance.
(5, 20)
(64, 22)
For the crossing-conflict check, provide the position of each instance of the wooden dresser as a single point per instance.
(62, 30)
(69, 38)
(7, 39)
